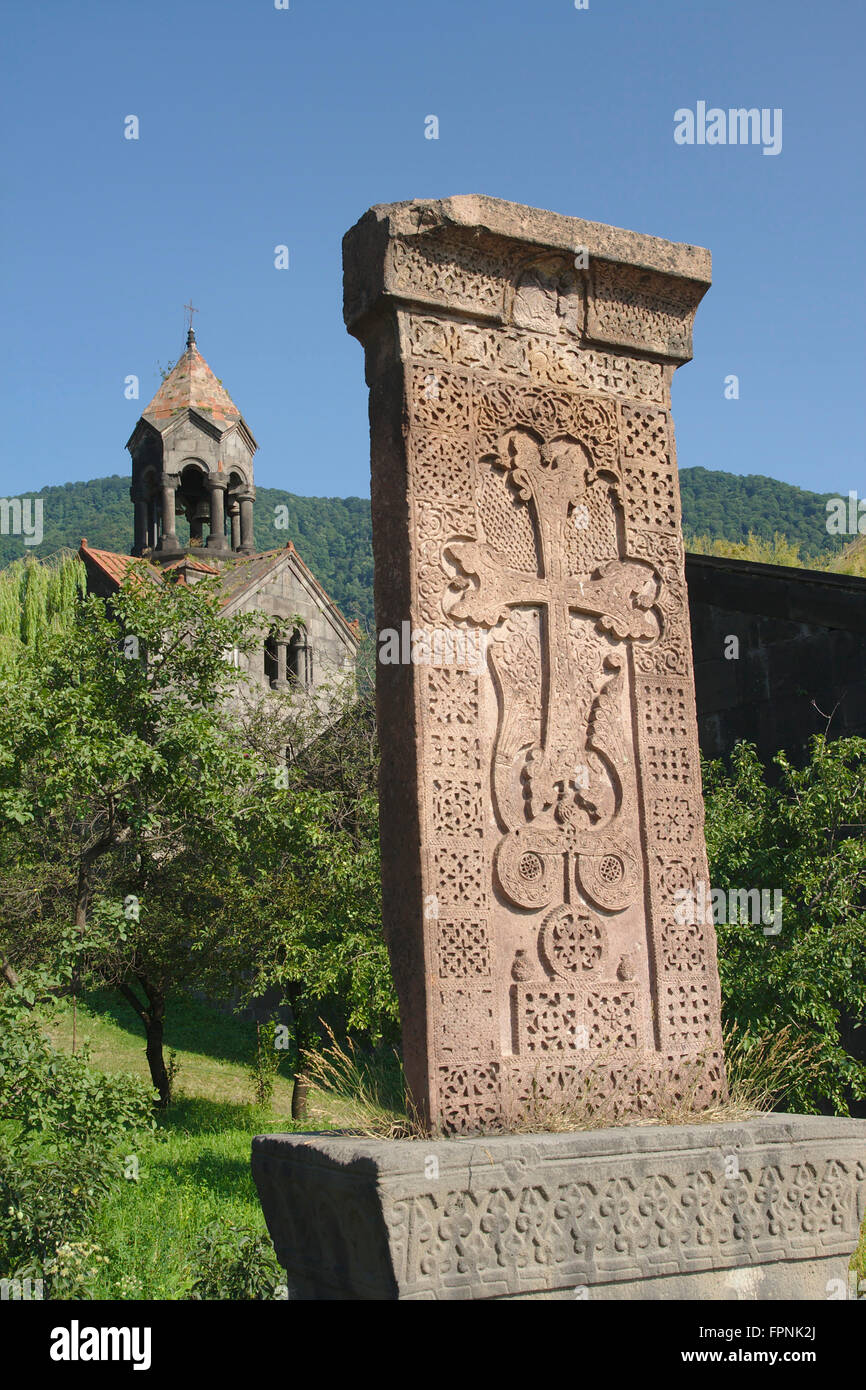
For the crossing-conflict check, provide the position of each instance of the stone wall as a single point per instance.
(282, 595)
(802, 655)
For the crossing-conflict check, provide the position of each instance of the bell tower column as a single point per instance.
(168, 542)
(247, 544)
(217, 489)
(140, 535)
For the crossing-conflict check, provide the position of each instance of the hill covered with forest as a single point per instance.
(333, 534)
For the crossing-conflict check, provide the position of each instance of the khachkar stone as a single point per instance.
(541, 814)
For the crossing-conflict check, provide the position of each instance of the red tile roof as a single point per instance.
(191, 383)
(115, 566)
(187, 563)
(236, 574)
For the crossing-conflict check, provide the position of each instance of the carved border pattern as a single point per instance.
(642, 309)
(619, 1226)
(535, 357)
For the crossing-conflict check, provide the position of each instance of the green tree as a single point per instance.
(145, 798)
(120, 783)
(805, 837)
(313, 918)
(37, 600)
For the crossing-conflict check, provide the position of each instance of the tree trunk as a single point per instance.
(9, 975)
(82, 903)
(153, 1018)
(300, 1093)
(154, 1028)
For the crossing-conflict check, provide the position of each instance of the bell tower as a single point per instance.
(192, 452)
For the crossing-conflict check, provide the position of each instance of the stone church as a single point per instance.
(192, 462)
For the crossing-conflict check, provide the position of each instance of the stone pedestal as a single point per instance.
(769, 1208)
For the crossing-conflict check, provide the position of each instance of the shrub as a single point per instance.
(61, 1134)
(235, 1262)
(803, 836)
(265, 1065)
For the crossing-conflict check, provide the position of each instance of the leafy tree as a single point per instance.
(145, 797)
(119, 783)
(36, 601)
(778, 551)
(313, 922)
(804, 836)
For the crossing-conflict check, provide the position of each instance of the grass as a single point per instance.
(212, 1048)
(195, 1171)
(369, 1094)
(196, 1168)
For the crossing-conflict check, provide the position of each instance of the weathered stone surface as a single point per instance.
(768, 1208)
(540, 803)
(802, 655)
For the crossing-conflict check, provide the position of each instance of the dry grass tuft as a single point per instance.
(369, 1096)
(363, 1094)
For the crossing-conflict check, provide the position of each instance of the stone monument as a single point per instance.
(542, 823)
(541, 813)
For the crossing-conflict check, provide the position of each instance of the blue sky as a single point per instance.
(261, 126)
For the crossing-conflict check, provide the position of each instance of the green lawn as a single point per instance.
(196, 1168)
(213, 1048)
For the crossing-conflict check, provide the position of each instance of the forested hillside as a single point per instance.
(728, 506)
(333, 534)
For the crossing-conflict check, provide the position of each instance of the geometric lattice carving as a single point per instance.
(688, 1013)
(456, 751)
(612, 1019)
(460, 874)
(442, 467)
(673, 819)
(464, 949)
(456, 806)
(471, 1097)
(452, 695)
(664, 711)
(674, 765)
(548, 1020)
(683, 948)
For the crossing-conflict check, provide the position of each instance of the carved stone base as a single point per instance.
(762, 1209)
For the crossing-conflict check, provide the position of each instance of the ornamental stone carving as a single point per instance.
(541, 808)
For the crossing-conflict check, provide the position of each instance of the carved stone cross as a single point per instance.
(551, 478)
(540, 817)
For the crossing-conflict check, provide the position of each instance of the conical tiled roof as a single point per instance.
(191, 383)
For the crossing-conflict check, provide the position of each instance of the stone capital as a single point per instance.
(521, 267)
(216, 482)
